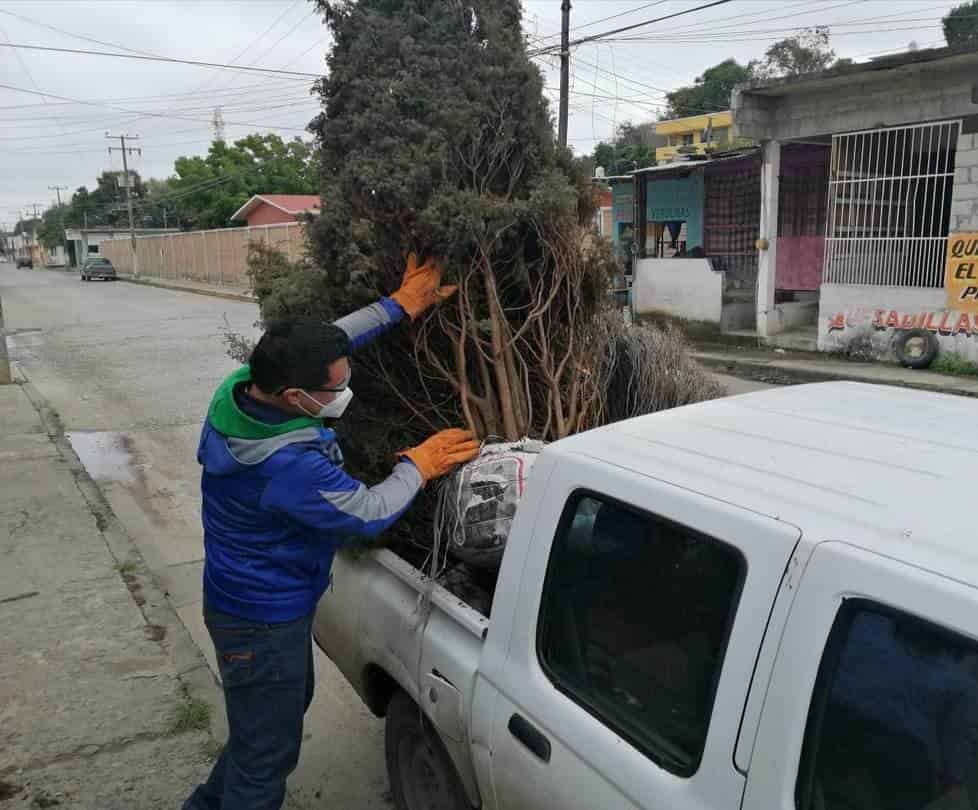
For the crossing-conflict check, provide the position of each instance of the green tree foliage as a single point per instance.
(632, 148)
(711, 91)
(51, 232)
(206, 191)
(961, 24)
(808, 52)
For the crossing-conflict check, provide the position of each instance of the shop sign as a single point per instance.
(961, 272)
(940, 322)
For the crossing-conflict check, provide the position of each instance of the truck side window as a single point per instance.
(634, 623)
(893, 721)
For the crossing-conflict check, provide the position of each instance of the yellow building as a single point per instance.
(694, 135)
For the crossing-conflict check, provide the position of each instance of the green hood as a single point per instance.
(229, 420)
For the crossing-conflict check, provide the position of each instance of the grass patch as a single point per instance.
(211, 749)
(954, 363)
(127, 567)
(192, 715)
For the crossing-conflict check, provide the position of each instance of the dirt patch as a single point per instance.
(8, 790)
(155, 632)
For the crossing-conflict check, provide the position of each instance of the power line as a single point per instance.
(141, 113)
(170, 59)
(633, 26)
(604, 19)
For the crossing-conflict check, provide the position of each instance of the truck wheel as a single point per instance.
(916, 348)
(421, 773)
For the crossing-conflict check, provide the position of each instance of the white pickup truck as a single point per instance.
(766, 601)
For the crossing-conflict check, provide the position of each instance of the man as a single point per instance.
(276, 506)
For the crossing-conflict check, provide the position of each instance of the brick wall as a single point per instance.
(964, 199)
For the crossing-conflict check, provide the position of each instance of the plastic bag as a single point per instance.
(479, 500)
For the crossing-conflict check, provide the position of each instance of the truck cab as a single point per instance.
(763, 601)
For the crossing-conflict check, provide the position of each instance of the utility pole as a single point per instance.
(61, 218)
(565, 8)
(126, 151)
(34, 219)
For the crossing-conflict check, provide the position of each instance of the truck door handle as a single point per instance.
(520, 728)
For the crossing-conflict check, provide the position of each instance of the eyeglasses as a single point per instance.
(338, 390)
(324, 390)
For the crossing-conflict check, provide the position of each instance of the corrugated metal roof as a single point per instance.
(695, 165)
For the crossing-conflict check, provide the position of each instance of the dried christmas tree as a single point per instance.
(436, 138)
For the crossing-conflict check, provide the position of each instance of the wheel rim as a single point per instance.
(915, 348)
(423, 779)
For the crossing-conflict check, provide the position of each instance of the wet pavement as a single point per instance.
(130, 370)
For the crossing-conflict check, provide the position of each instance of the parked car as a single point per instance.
(25, 261)
(764, 601)
(97, 268)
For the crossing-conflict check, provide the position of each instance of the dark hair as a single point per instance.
(295, 354)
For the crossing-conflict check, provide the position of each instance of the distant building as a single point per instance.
(83, 243)
(603, 222)
(694, 135)
(274, 209)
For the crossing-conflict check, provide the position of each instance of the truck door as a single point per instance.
(636, 629)
(873, 700)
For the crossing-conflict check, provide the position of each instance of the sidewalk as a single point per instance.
(233, 292)
(789, 368)
(105, 702)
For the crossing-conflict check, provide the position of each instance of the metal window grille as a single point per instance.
(889, 205)
(731, 221)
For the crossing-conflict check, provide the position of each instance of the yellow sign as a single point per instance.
(961, 272)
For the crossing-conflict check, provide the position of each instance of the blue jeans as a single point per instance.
(268, 679)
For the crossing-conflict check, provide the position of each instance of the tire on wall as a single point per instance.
(916, 348)
(421, 774)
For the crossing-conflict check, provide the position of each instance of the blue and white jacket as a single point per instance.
(277, 503)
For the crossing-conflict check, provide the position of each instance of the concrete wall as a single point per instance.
(862, 100)
(683, 288)
(217, 256)
(872, 315)
(964, 199)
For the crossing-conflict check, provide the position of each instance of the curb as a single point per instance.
(230, 296)
(189, 664)
(779, 375)
(151, 282)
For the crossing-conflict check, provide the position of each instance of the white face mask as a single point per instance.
(331, 410)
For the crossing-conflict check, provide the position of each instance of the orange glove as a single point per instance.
(421, 286)
(441, 453)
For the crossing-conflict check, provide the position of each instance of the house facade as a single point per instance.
(901, 187)
(275, 209)
(694, 135)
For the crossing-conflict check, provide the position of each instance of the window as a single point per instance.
(688, 140)
(721, 135)
(893, 723)
(634, 623)
(93, 248)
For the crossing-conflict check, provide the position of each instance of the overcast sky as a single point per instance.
(48, 141)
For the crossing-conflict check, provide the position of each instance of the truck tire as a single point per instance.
(916, 348)
(421, 774)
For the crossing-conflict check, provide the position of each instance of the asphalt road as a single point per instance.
(130, 369)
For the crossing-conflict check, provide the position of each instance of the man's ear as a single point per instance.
(291, 397)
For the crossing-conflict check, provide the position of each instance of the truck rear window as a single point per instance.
(894, 718)
(634, 623)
